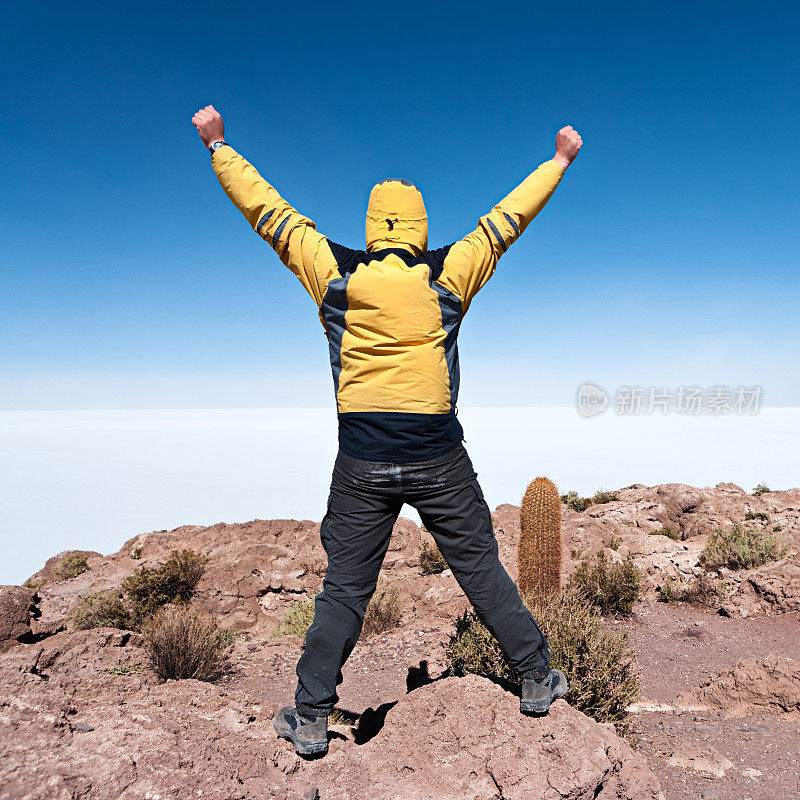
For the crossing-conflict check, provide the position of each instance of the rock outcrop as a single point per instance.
(749, 686)
(73, 724)
(16, 610)
(82, 717)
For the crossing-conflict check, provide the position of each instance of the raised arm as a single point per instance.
(293, 236)
(470, 262)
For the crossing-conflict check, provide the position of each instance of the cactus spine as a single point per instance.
(539, 551)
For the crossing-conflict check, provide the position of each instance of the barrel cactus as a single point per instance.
(539, 551)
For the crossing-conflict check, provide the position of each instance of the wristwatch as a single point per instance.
(214, 146)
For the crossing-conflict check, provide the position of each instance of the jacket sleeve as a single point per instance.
(471, 261)
(293, 237)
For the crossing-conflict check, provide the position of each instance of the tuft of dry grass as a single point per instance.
(296, 620)
(317, 567)
(126, 669)
(431, 560)
(383, 611)
(341, 717)
(71, 565)
(738, 547)
(100, 610)
(610, 587)
(185, 643)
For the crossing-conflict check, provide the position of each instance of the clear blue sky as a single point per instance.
(668, 255)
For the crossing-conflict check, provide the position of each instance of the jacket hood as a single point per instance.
(396, 217)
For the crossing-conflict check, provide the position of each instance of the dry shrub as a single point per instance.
(574, 501)
(701, 590)
(612, 588)
(383, 611)
(296, 620)
(600, 667)
(601, 497)
(317, 567)
(100, 610)
(172, 581)
(738, 547)
(431, 560)
(71, 565)
(670, 533)
(185, 643)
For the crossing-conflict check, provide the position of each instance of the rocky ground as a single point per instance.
(719, 715)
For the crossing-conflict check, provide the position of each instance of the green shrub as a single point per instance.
(671, 533)
(296, 620)
(762, 488)
(775, 528)
(184, 643)
(615, 542)
(136, 553)
(172, 581)
(601, 497)
(600, 667)
(383, 611)
(738, 547)
(473, 649)
(574, 501)
(32, 584)
(70, 566)
(701, 590)
(750, 515)
(100, 610)
(431, 560)
(607, 586)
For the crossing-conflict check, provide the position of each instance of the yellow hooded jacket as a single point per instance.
(391, 312)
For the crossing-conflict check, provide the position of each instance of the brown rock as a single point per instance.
(457, 737)
(465, 738)
(16, 609)
(751, 685)
(703, 760)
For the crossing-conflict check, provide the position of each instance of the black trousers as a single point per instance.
(364, 502)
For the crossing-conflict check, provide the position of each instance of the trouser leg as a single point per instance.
(461, 524)
(355, 534)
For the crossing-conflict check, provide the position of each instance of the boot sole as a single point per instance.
(303, 748)
(541, 706)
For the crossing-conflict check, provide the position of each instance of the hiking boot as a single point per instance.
(309, 735)
(538, 691)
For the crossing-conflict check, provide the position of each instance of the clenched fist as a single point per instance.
(209, 124)
(568, 142)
